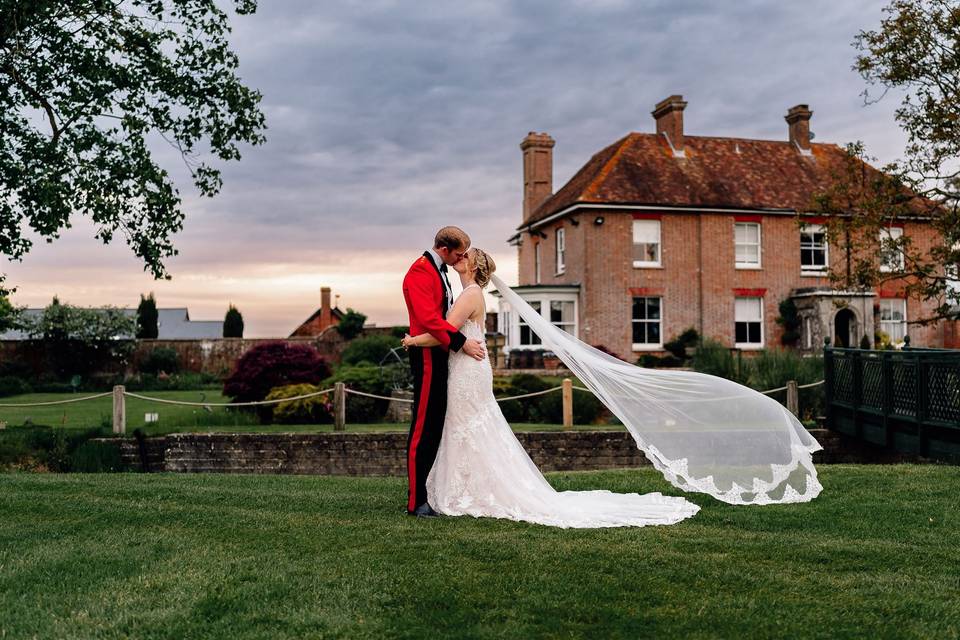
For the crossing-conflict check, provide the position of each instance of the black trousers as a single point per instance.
(429, 369)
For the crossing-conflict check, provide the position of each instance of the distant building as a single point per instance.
(663, 231)
(321, 319)
(172, 324)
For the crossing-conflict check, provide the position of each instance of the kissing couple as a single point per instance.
(463, 458)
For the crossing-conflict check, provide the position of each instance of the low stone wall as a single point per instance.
(384, 454)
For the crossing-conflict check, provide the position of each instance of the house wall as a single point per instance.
(698, 277)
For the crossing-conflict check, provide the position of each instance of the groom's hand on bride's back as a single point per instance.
(474, 349)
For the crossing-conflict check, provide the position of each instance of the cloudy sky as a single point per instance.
(390, 119)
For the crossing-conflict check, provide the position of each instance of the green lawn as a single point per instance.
(234, 557)
(177, 418)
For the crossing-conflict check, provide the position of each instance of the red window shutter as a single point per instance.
(748, 218)
(750, 293)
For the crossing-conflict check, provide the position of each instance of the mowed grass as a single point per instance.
(180, 418)
(877, 555)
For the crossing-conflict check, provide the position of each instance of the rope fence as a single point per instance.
(340, 391)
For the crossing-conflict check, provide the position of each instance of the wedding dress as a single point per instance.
(482, 469)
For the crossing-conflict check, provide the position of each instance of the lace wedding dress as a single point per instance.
(482, 469)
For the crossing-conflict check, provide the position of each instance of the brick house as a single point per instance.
(659, 232)
(325, 316)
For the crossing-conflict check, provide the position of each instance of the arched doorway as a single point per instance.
(845, 328)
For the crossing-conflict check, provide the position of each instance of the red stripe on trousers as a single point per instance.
(418, 427)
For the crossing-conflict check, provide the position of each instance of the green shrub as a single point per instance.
(96, 457)
(13, 386)
(587, 409)
(772, 368)
(670, 360)
(526, 409)
(41, 447)
(362, 377)
(370, 349)
(678, 346)
(713, 358)
(351, 324)
(648, 360)
(312, 410)
(164, 359)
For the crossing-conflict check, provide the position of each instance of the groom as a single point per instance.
(427, 293)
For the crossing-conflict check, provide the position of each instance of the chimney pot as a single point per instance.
(537, 171)
(798, 123)
(668, 114)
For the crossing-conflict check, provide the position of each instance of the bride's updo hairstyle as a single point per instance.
(484, 264)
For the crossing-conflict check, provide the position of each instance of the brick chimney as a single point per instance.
(798, 120)
(537, 171)
(326, 313)
(669, 116)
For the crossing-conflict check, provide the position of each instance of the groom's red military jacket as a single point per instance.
(425, 296)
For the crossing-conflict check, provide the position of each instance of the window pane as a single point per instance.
(653, 332)
(646, 231)
(754, 332)
(653, 308)
(639, 335)
(746, 309)
(741, 333)
(639, 309)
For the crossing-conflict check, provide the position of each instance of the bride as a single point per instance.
(481, 468)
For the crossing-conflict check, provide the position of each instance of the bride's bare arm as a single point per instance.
(466, 305)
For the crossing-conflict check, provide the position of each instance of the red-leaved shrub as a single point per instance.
(274, 364)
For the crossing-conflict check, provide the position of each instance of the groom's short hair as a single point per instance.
(451, 238)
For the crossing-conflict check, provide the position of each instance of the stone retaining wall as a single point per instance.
(384, 454)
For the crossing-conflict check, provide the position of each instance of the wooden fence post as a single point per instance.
(119, 410)
(567, 404)
(793, 398)
(339, 407)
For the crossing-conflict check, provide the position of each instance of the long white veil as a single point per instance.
(702, 432)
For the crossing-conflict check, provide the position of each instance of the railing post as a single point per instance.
(339, 407)
(119, 410)
(793, 398)
(567, 404)
(828, 382)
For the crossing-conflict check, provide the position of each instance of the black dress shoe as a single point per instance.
(424, 511)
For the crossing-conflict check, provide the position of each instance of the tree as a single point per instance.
(147, 318)
(351, 324)
(9, 315)
(915, 51)
(81, 341)
(105, 77)
(233, 323)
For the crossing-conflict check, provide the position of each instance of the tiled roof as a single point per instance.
(172, 324)
(728, 173)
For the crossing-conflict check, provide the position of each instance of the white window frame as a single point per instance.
(536, 263)
(759, 244)
(561, 247)
(892, 305)
(572, 323)
(892, 233)
(748, 345)
(646, 346)
(521, 323)
(649, 263)
(544, 298)
(814, 270)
